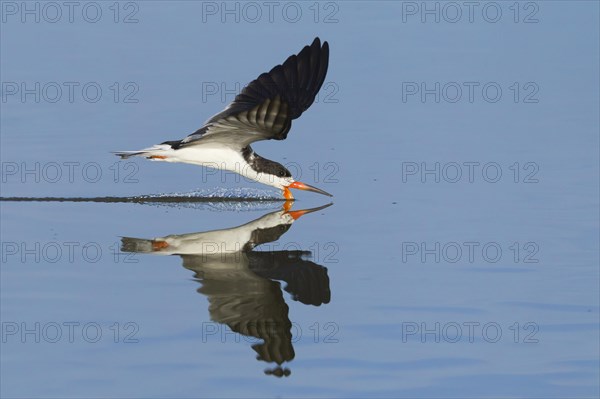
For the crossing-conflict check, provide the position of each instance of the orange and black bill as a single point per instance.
(297, 214)
(302, 186)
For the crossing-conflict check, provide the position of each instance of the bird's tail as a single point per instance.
(127, 154)
(140, 245)
(157, 152)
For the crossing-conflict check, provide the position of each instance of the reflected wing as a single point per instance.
(249, 304)
(306, 281)
(265, 108)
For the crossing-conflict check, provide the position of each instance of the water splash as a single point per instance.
(221, 193)
(218, 199)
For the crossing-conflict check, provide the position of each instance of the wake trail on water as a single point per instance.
(217, 199)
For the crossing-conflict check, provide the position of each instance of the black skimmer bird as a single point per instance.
(241, 284)
(264, 110)
(237, 240)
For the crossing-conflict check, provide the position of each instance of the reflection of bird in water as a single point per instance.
(240, 283)
(264, 110)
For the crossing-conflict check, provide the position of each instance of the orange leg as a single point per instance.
(287, 205)
(287, 194)
(157, 157)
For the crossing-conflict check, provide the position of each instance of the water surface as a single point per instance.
(459, 257)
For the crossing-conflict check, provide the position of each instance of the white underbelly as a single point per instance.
(217, 158)
(208, 243)
(221, 158)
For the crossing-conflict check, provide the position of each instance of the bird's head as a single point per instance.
(277, 175)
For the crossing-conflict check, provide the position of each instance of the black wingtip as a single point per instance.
(296, 82)
(317, 43)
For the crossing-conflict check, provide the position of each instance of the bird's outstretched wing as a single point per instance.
(265, 108)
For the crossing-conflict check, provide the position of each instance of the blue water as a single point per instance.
(459, 259)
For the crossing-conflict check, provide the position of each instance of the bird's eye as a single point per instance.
(281, 173)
